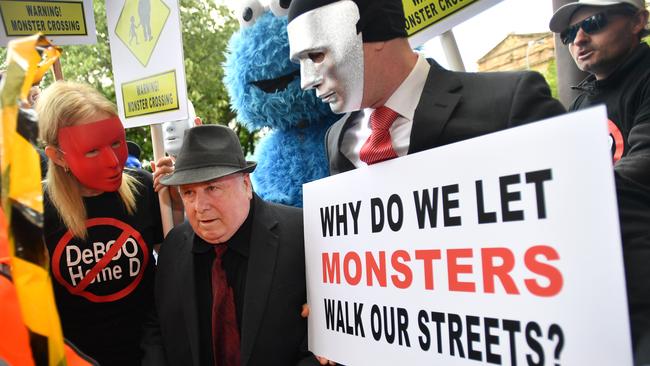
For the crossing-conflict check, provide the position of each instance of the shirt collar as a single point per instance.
(240, 241)
(405, 99)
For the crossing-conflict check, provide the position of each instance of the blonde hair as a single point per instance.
(60, 105)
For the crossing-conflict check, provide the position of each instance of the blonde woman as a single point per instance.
(101, 223)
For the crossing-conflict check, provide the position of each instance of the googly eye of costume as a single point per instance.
(264, 89)
(280, 8)
(248, 12)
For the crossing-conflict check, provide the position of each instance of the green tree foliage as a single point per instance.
(206, 29)
(551, 77)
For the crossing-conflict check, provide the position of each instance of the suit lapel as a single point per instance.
(261, 267)
(188, 291)
(342, 163)
(438, 101)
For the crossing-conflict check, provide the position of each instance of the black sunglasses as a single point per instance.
(590, 25)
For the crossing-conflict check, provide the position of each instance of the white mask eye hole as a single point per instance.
(248, 11)
(280, 8)
(316, 57)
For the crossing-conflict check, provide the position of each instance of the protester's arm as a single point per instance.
(532, 100)
(162, 167)
(635, 165)
(632, 175)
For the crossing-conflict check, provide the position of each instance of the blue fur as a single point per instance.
(300, 159)
(293, 152)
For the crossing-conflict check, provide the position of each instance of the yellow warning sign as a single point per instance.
(52, 18)
(153, 94)
(139, 26)
(420, 14)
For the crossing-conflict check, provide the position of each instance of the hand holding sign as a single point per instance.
(322, 360)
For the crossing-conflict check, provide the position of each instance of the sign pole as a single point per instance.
(163, 196)
(450, 47)
(57, 70)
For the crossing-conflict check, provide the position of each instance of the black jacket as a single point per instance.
(457, 106)
(272, 330)
(626, 93)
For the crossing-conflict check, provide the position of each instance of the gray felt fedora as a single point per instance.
(208, 152)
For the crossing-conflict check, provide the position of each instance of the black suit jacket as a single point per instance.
(272, 330)
(456, 106)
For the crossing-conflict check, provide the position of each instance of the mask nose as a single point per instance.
(309, 76)
(109, 157)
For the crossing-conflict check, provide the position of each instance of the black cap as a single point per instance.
(133, 149)
(381, 20)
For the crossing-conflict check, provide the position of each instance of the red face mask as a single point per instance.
(96, 153)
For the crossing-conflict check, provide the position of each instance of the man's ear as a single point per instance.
(56, 156)
(640, 21)
(248, 186)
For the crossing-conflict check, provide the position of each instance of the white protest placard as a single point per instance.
(503, 249)
(426, 19)
(63, 22)
(147, 57)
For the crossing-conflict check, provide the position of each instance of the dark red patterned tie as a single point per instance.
(225, 333)
(378, 147)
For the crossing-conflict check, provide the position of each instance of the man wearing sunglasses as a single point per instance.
(604, 38)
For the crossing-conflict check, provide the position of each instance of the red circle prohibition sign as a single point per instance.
(80, 288)
(617, 136)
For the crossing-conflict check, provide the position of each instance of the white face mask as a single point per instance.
(330, 52)
(173, 131)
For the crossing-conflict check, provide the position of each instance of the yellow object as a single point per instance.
(52, 18)
(420, 14)
(139, 26)
(22, 199)
(150, 95)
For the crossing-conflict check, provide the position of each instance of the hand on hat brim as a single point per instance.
(163, 167)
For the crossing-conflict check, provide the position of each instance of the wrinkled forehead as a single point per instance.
(330, 26)
(93, 135)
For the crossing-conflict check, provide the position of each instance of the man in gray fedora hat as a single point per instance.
(230, 281)
(604, 38)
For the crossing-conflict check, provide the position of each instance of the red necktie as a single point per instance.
(378, 147)
(225, 333)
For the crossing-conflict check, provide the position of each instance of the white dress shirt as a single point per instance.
(403, 101)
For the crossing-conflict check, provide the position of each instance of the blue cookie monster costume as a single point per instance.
(264, 88)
